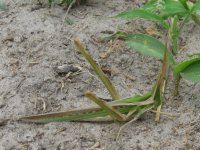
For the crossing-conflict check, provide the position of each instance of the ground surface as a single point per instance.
(34, 39)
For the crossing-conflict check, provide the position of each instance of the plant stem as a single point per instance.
(158, 94)
(176, 84)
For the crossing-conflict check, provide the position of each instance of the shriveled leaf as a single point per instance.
(102, 76)
(117, 35)
(189, 69)
(115, 114)
(94, 113)
(148, 46)
(152, 31)
(143, 14)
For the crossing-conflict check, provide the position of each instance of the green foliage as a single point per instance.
(169, 14)
(196, 6)
(147, 45)
(192, 72)
(172, 15)
(2, 5)
(165, 8)
(195, 18)
(189, 69)
(141, 13)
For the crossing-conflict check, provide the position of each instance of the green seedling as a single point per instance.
(172, 15)
(161, 10)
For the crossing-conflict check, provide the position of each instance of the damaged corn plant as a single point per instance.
(120, 109)
(172, 15)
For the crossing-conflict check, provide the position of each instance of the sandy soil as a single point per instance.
(34, 39)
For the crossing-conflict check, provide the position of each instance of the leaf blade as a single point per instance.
(141, 13)
(105, 80)
(87, 114)
(166, 8)
(189, 70)
(147, 45)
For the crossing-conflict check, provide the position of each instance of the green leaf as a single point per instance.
(171, 8)
(179, 67)
(174, 34)
(87, 114)
(166, 8)
(190, 69)
(184, 3)
(148, 46)
(150, 6)
(196, 6)
(140, 13)
(196, 19)
(192, 72)
(194, 55)
(2, 5)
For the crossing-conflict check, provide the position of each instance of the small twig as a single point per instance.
(124, 126)
(69, 7)
(60, 130)
(164, 113)
(44, 105)
(62, 85)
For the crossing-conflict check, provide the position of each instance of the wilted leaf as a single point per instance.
(97, 69)
(152, 31)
